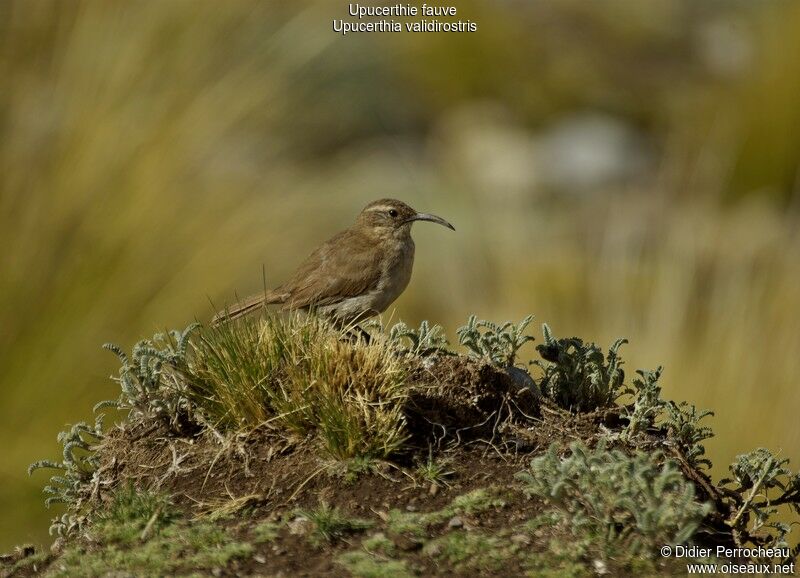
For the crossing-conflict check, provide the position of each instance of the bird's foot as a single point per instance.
(356, 334)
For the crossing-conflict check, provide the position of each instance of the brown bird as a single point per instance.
(354, 275)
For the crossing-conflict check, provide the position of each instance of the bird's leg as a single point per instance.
(356, 334)
(351, 330)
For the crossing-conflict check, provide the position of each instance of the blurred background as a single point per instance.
(617, 168)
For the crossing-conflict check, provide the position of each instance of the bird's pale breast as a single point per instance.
(395, 276)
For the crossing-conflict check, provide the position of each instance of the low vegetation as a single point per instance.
(140, 534)
(282, 444)
(632, 503)
(330, 524)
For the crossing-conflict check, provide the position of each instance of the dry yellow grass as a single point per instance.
(301, 375)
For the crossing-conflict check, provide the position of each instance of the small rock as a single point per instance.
(600, 567)
(299, 526)
(216, 571)
(521, 539)
(411, 507)
(434, 489)
(523, 380)
(260, 559)
(455, 522)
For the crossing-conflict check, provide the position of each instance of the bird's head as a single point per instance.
(391, 217)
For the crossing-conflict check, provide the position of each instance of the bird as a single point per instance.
(354, 275)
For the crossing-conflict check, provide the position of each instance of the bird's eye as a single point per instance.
(392, 213)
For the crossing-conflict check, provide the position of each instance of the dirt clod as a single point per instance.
(462, 399)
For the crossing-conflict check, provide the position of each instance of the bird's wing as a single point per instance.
(346, 266)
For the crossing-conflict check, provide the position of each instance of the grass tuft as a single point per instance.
(433, 470)
(330, 524)
(305, 376)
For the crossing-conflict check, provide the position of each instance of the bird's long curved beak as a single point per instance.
(432, 219)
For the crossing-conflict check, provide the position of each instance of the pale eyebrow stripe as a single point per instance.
(381, 208)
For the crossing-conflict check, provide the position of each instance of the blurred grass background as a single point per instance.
(618, 168)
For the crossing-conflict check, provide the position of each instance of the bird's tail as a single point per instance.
(245, 306)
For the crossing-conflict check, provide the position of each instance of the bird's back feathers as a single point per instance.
(345, 266)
